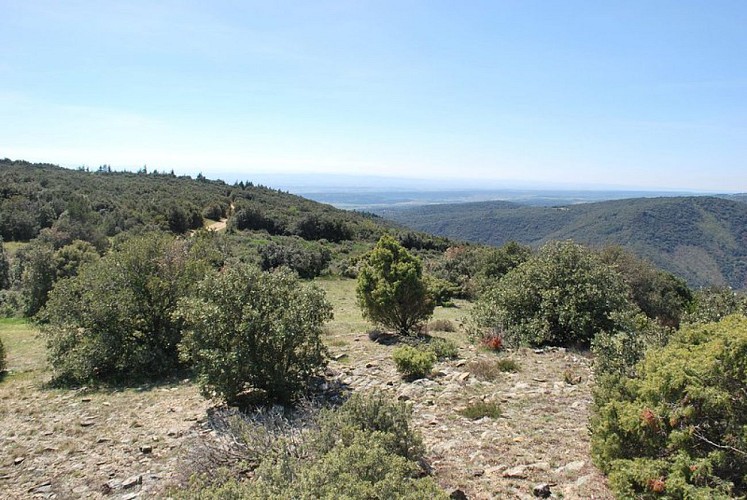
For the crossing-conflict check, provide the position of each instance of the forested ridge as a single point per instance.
(703, 239)
(35, 196)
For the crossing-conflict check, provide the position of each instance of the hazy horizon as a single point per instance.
(633, 95)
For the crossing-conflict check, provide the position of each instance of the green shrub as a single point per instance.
(481, 409)
(248, 329)
(441, 291)
(616, 353)
(391, 290)
(371, 413)
(412, 362)
(308, 259)
(713, 303)
(443, 348)
(677, 426)
(563, 295)
(366, 448)
(114, 320)
(442, 325)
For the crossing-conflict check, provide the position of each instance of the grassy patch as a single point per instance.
(24, 346)
(481, 409)
(490, 369)
(341, 294)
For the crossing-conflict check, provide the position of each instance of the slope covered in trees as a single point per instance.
(34, 197)
(703, 239)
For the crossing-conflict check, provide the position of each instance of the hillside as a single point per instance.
(703, 239)
(35, 196)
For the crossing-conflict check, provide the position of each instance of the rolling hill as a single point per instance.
(702, 239)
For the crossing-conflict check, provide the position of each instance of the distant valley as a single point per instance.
(701, 238)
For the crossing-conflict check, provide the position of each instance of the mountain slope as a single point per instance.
(38, 196)
(703, 239)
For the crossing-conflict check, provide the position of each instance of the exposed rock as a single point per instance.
(518, 472)
(542, 490)
(338, 357)
(132, 481)
(146, 448)
(572, 466)
(19, 460)
(87, 423)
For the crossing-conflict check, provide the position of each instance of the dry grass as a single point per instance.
(481, 409)
(489, 369)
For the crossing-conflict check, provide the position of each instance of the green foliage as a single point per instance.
(713, 303)
(442, 348)
(441, 325)
(677, 427)
(391, 290)
(412, 362)
(490, 369)
(68, 259)
(441, 291)
(507, 365)
(616, 353)
(4, 267)
(659, 294)
(308, 259)
(481, 409)
(698, 238)
(247, 329)
(371, 413)
(114, 320)
(562, 295)
(366, 448)
(38, 275)
(496, 263)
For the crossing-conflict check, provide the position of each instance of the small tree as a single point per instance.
(248, 329)
(391, 290)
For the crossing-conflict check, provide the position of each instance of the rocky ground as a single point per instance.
(132, 443)
(540, 439)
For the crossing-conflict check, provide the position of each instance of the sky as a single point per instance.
(630, 94)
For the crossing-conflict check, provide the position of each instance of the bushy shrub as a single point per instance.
(371, 413)
(677, 427)
(441, 291)
(114, 320)
(11, 303)
(442, 348)
(616, 353)
(441, 325)
(366, 448)
(659, 294)
(248, 329)
(412, 362)
(308, 259)
(713, 303)
(481, 409)
(391, 290)
(562, 295)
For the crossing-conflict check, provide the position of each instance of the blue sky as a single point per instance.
(648, 94)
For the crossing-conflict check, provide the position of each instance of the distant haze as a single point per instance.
(632, 95)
